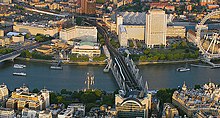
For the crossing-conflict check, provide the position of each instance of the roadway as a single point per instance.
(124, 71)
(18, 51)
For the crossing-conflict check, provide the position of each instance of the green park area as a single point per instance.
(91, 98)
(177, 51)
(35, 55)
(5, 51)
(42, 38)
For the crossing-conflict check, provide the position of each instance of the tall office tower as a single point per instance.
(156, 27)
(88, 6)
(119, 21)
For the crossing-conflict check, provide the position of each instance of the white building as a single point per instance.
(132, 32)
(84, 33)
(156, 27)
(86, 49)
(78, 108)
(3, 92)
(7, 113)
(119, 21)
(66, 113)
(176, 31)
(45, 114)
(18, 39)
(27, 113)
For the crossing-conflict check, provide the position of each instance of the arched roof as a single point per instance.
(133, 100)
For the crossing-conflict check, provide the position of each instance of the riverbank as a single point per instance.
(104, 63)
(55, 61)
(167, 62)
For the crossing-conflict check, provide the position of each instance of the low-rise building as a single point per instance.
(191, 36)
(176, 31)
(18, 39)
(78, 109)
(21, 98)
(7, 113)
(45, 114)
(86, 49)
(35, 29)
(46, 49)
(28, 113)
(169, 111)
(66, 113)
(204, 99)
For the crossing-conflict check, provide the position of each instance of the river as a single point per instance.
(73, 77)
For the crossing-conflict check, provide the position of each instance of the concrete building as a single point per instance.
(27, 113)
(89, 49)
(169, 111)
(66, 113)
(21, 98)
(7, 113)
(4, 29)
(3, 92)
(46, 49)
(6, 1)
(45, 114)
(78, 109)
(5, 41)
(130, 32)
(88, 6)
(176, 31)
(191, 36)
(18, 39)
(133, 104)
(156, 28)
(83, 33)
(35, 29)
(119, 21)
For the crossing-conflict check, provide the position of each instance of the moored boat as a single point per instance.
(19, 74)
(19, 66)
(182, 69)
(56, 67)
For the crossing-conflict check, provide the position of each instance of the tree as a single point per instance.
(27, 36)
(79, 21)
(59, 99)
(197, 86)
(131, 44)
(183, 44)
(146, 51)
(35, 90)
(142, 58)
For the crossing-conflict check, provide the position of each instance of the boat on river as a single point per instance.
(19, 66)
(19, 74)
(182, 69)
(56, 67)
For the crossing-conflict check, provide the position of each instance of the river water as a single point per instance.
(73, 77)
